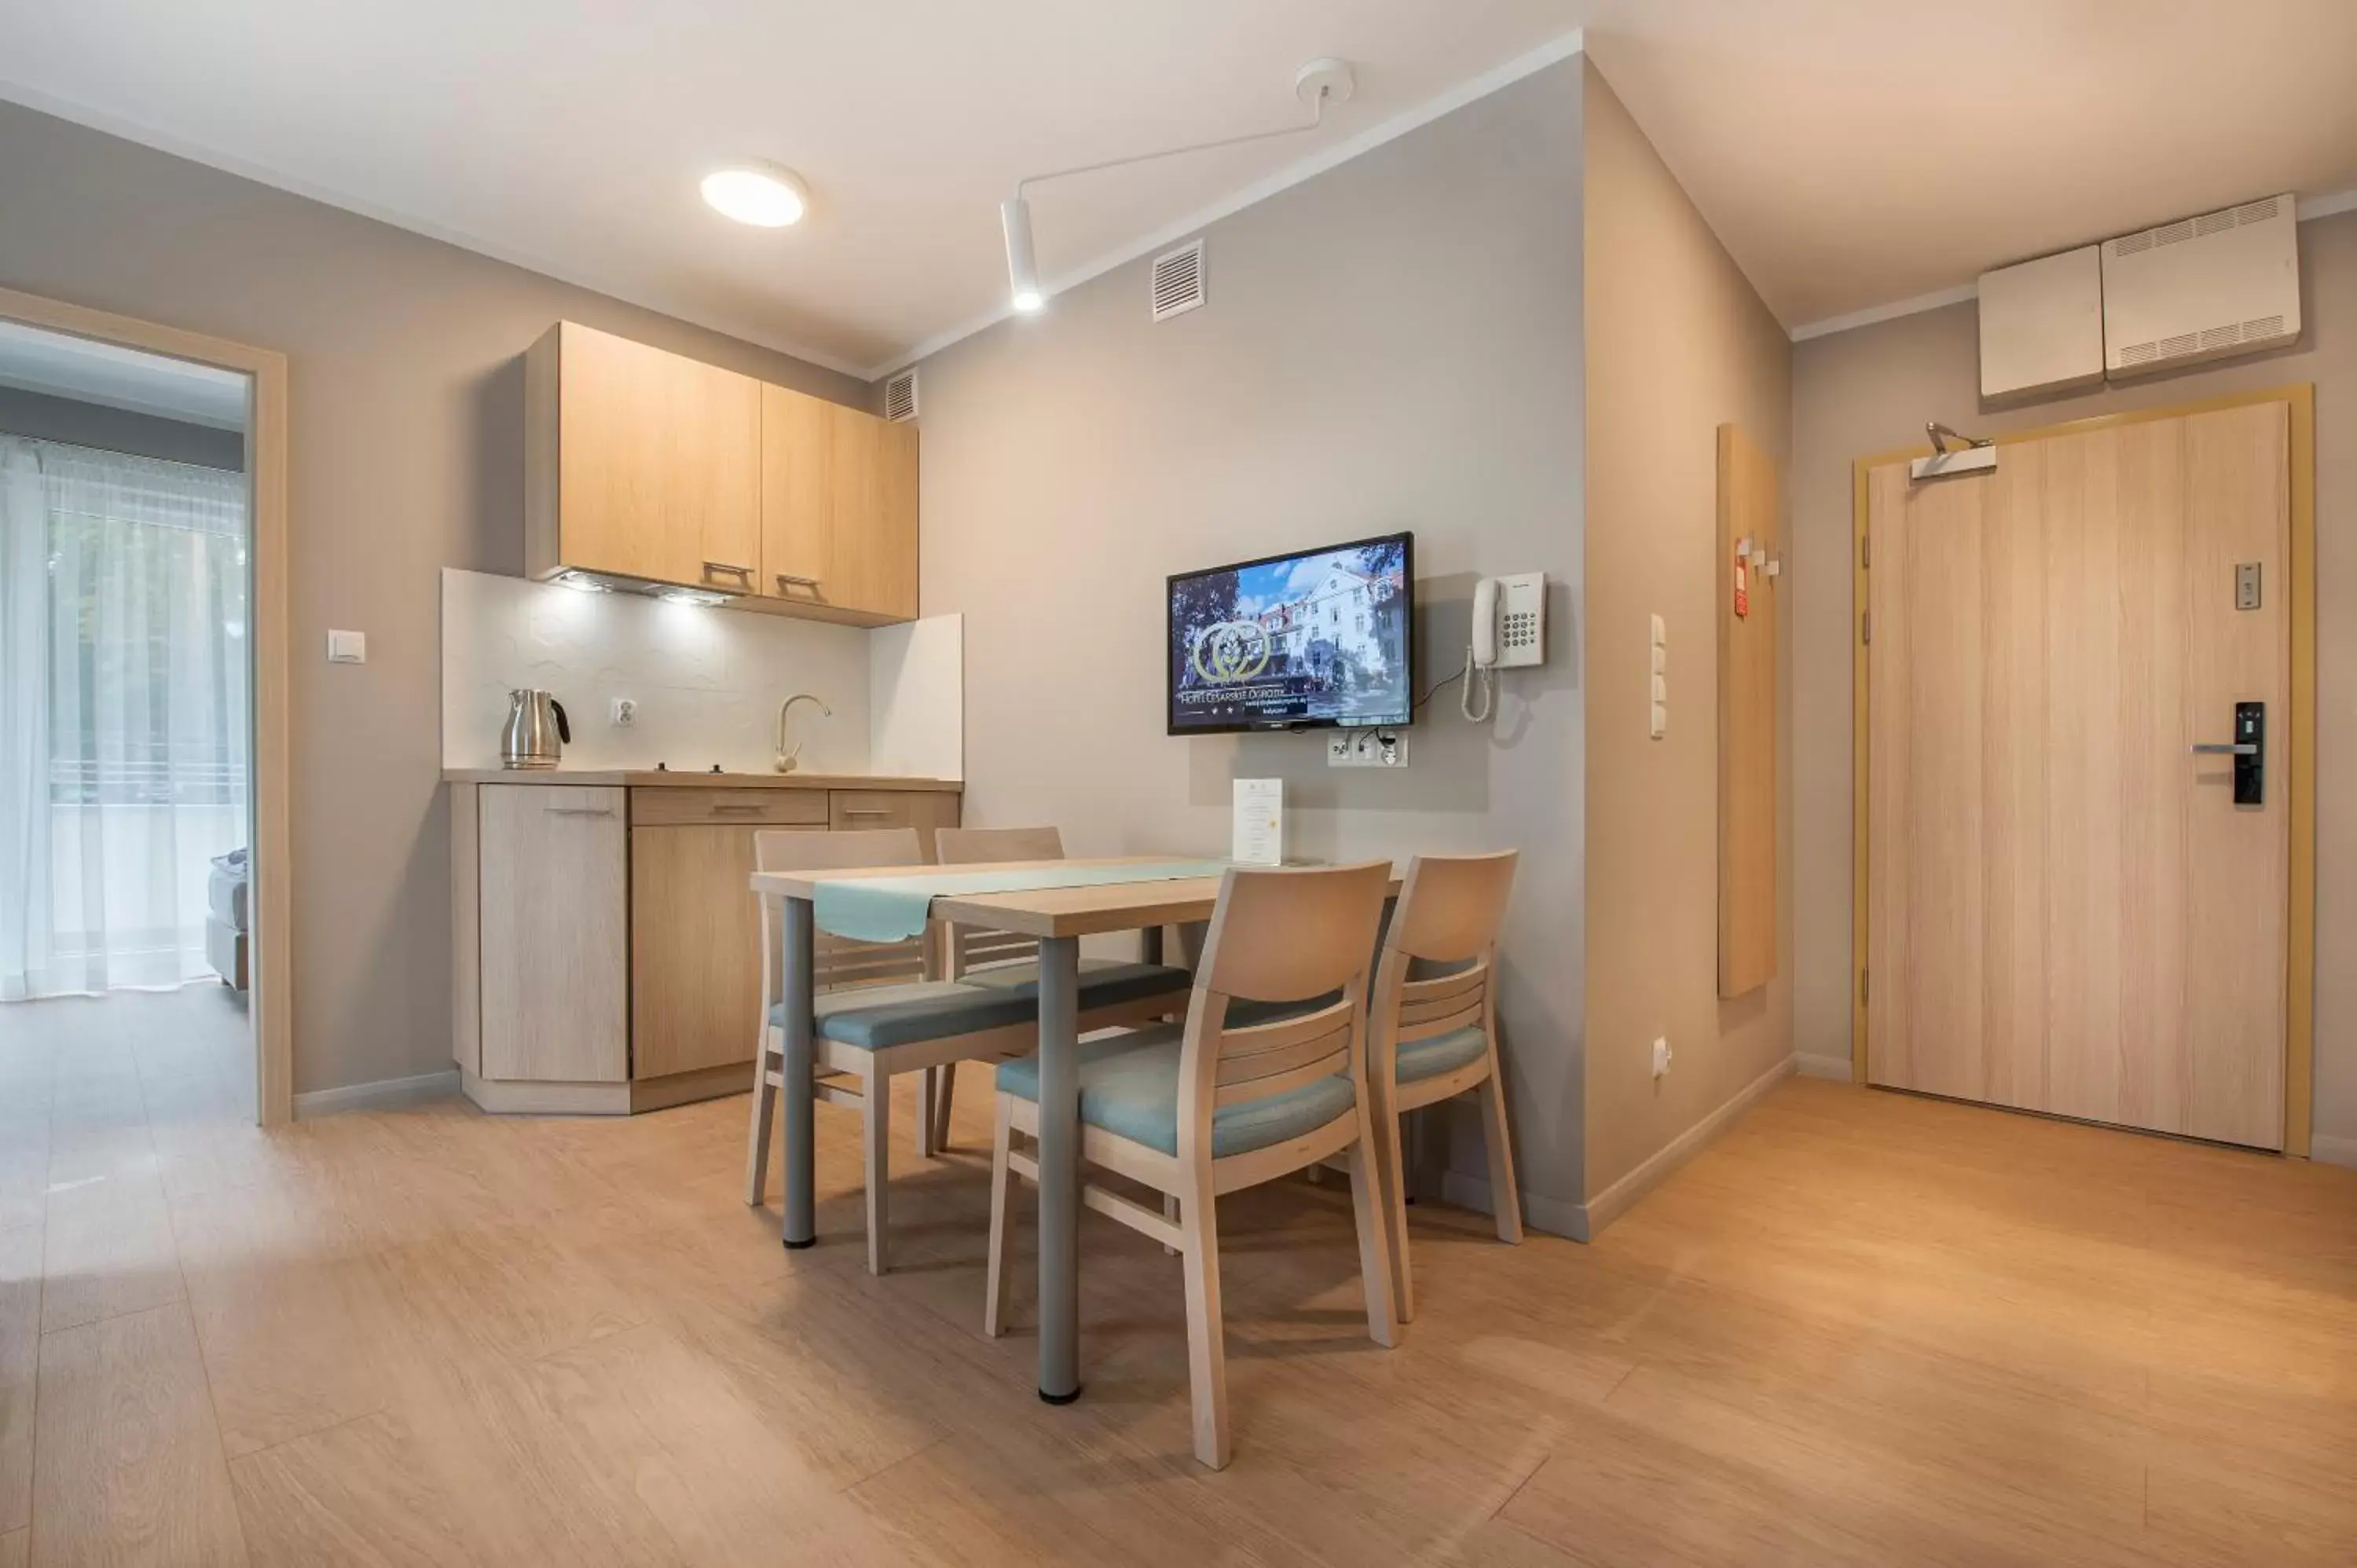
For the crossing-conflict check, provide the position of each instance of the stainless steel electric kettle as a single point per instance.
(536, 731)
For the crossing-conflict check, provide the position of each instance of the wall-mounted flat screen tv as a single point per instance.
(1311, 639)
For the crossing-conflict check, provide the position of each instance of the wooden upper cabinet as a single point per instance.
(838, 510)
(641, 463)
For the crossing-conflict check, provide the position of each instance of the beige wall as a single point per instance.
(407, 434)
(1391, 345)
(1869, 391)
(1677, 343)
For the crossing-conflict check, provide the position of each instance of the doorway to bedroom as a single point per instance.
(126, 732)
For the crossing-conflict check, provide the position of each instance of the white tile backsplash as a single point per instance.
(707, 682)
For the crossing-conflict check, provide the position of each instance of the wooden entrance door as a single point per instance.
(2066, 910)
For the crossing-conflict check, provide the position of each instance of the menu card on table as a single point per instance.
(1260, 822)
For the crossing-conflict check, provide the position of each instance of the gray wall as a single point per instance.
(406, 457)
(43, 417)
(1394, 344)
(1869, 391)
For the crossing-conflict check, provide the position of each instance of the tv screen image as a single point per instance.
(1318, 638)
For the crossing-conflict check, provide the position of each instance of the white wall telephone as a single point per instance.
(1509, 633)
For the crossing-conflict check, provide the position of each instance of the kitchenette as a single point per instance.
(718, 636)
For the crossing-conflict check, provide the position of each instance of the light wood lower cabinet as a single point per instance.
(695, 937)
(606, 946)
(555, 931)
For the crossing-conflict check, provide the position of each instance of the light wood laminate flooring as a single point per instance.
(1861, 1328)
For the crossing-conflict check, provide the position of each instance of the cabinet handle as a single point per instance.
(867, 810)
(726, 569)
(788, 580)
(579, 810)
(729, 807)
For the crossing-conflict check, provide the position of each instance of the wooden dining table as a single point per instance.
(1058, 917)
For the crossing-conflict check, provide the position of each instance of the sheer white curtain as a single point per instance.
(122, 714)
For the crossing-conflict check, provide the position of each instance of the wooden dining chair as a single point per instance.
(980, 956)
(879, 1013)
(1202, 1108)
(1434, 1028)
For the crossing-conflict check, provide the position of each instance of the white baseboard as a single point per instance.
(382, 1095)
(1617, 1199)
(1836, 1069)
(2332, 1151)
(1553, 1215)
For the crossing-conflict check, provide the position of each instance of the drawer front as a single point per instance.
(870, 809)
(923, 810)
(674, 806)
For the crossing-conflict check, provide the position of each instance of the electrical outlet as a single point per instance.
(624, 713)
(1661, 1057)
(1365, 749)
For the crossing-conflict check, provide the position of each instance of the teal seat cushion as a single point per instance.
(1129, 1087)
(1104, 981)
(874, 1018)
(1438, 1054)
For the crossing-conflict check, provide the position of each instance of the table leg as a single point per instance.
(1059, 1169)
(796, 1098)
(1149, 945)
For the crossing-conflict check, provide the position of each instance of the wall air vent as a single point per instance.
(900, 397)
(1177, 281)
(2222, 283)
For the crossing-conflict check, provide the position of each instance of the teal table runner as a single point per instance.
(893, 908)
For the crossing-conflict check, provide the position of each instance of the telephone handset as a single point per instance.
(1509, 632)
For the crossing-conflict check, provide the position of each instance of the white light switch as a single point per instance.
(348, 648)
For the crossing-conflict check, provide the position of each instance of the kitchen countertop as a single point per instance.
(636, 778)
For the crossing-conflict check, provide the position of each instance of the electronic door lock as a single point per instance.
(2249, 750)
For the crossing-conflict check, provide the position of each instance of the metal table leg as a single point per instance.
(797, 1129)
(1060, 1162)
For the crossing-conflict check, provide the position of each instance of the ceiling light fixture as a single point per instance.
(1317, 84)
(761, 194)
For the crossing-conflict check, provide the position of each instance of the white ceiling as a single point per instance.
(1849, 151)
(116, 377)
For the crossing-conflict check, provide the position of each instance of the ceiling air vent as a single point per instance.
(1179, 281)
(900, 397)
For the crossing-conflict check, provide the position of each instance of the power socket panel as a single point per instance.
(1365, 749)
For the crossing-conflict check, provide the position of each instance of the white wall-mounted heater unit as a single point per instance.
(2201, 288)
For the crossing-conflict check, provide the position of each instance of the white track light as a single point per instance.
(1022, 270)
(1318, 85)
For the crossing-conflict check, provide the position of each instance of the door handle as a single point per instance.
(2248, 748)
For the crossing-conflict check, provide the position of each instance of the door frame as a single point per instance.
(2299, 947)
(272, 889)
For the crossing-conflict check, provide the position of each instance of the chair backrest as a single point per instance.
(1449, 911)
(1278, 936)
(974, 947)
(838, 961)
